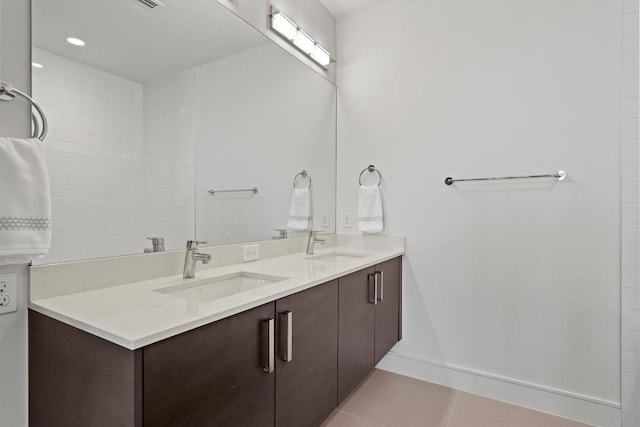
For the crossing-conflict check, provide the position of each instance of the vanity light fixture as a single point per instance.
(288, 30)
(76, 42)
(37, 65)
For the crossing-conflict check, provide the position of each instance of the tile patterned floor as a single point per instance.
(388, 399)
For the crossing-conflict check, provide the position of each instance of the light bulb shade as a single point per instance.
(321, 56)
(304, 42)
(283, 25)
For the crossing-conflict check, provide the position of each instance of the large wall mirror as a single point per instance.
(161, 105)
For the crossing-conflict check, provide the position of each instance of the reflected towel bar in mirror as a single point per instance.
(302, 174)
(254, 190)
(560, 175)
(371, 169)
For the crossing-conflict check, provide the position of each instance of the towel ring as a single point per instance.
(302, 174)
(6, 89)
(371, 169)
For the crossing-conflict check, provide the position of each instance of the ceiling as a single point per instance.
(128, 40)
(340, 8)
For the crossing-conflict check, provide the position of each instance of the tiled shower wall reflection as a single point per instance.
(120, 157)
(94, 151)
(630, 220)
(169, 157)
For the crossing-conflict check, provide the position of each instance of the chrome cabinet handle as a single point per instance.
(285, 340)
(381, 294)
(268, 361)
(373, 300)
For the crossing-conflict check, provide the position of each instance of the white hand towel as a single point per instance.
(300, 217)
(370, 216)
(25, 201)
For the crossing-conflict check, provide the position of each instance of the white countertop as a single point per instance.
(135, 315)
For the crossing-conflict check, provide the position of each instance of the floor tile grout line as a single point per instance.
(355, 416)
(406, 387)
(453, 406)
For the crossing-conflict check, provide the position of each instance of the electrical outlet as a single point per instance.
(250, 253)
(347, 220)
(8, 293)
(324, 219)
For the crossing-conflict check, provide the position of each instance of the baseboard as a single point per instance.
(586, 409)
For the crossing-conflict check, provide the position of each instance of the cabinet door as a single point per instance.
(355, 331)
(388, 307)
(212, 376)
(307, 356)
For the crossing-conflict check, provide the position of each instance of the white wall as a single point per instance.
(513, 282)
(94, 152)
(262, 118)
(14, 121)
(630, 219)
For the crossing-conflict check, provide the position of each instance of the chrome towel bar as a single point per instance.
(254, 190)
(8, 93)
(560, 175)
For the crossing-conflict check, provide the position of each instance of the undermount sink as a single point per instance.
(221, 286)
(336, 256)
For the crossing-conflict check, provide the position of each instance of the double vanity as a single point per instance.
(280, 341)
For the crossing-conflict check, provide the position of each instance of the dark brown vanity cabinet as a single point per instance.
(370, 321)
(388, 325)
(286, 363)
(231, 372)
(306, 361)
(215, 375)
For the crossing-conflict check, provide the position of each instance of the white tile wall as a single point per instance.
(630, 338)
(169, 157)
(120, 157)
(94, 150)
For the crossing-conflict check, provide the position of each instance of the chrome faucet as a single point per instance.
(313, 239)
(191, 257)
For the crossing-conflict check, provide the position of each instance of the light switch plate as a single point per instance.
(324, 219)
(8, 293)
(347, 220)
(250, 253)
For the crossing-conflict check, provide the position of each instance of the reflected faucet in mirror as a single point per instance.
(191, 257)
(157, 244)
(282, 234)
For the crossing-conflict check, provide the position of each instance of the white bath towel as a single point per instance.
(370, 215)
(25, 201)
(300, 213)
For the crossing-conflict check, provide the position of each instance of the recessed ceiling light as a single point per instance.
(37, 65)
(74, 41)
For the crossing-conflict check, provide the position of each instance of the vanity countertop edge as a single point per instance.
(133, 315)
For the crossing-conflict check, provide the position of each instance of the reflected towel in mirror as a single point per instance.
(300, 216)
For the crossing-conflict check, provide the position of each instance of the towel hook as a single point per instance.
(302, 174)
(370, 169)
(6, 89)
